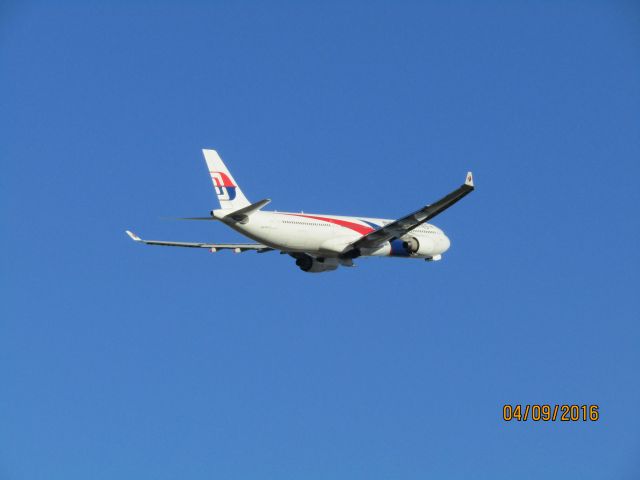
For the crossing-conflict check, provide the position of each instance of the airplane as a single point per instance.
(319, 242)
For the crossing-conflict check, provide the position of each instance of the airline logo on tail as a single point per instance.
(225, 189)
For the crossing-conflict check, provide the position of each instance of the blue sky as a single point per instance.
(118, 361)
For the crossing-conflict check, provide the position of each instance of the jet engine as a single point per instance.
(315, 265)
(407, 247)
(421, 247)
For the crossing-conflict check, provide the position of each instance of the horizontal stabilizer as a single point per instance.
(242, 214)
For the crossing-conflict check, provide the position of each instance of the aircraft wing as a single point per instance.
(407, 223)
(237, 247)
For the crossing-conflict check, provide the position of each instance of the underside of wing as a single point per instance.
(237, 247)
(407, 223)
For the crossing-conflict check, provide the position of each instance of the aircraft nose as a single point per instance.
(444, 243)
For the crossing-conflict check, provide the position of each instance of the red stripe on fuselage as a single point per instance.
(361, 229)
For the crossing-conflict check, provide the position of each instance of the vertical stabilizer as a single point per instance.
(225, 187)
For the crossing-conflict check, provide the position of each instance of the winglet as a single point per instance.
(469, 180)
(133, 236)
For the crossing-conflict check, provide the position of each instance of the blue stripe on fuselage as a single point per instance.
(371, 224)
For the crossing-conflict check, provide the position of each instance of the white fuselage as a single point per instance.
(328, 235)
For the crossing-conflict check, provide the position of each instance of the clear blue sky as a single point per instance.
(118, 361)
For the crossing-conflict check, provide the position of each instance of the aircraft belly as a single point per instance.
(303, 239)
(277, 234)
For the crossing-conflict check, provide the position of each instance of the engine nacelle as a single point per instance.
(407, 247)
(423, 247)
(316, 265)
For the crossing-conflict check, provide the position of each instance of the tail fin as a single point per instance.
(226, 188)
